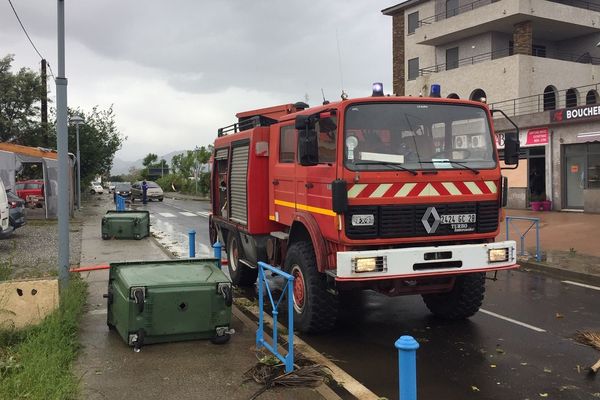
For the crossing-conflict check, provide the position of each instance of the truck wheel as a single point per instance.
(315, 309)
(462, 301)
(241, 275)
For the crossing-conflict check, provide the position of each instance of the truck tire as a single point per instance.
(241, 275)
(462, 301)
(315, 309)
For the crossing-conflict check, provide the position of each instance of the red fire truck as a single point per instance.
(402, 195)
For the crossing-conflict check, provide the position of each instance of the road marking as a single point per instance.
(187, 213)
(167, 215)
(514, 321)
(582, 285)
(204, 214)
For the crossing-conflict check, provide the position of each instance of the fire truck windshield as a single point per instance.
(417, 136)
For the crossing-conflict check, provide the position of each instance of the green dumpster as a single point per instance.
(166, 301)
(126, 225)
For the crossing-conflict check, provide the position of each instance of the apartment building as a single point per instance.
(538, 60)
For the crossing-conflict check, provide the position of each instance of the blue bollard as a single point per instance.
(192, 240)
(407, 367)
(217, 248)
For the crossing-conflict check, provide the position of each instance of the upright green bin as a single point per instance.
(165, 301)
(126, 225)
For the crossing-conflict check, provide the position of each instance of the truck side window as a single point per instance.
(287, 144)
(327, 135)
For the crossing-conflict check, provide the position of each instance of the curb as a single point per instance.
(557, 272)
(180, 197)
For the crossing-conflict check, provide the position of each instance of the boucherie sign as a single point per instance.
(573, 114)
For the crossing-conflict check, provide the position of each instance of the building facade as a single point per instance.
(537, 60)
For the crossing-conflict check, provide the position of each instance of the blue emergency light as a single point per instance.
(377, 89)
(436, 90)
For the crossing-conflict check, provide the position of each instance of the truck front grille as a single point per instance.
(396, 221)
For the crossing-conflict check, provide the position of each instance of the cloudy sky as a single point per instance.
(177, 70)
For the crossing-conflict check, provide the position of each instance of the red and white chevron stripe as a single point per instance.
(421, 189)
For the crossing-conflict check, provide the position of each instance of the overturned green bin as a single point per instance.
(167, 301)
(126, 225)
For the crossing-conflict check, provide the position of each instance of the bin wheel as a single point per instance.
(105, 236)
(221, 339)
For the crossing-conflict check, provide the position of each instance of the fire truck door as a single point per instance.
(313, 183)
(282, 196)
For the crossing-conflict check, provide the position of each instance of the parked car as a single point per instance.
(32, 191)
(4, 210)
(96, 188)
(111, 187)
(16, 213)
(154, 191)
(123, 190)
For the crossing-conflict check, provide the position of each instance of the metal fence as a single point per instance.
(549, 101)
(531, 223)
(263, 286)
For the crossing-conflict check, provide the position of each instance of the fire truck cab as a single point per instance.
(401, 195)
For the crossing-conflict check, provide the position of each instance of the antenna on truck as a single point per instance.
(324, 100)
(337, 40)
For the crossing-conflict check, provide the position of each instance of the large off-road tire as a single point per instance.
(463, 301)
(241, 275)
(315, 309)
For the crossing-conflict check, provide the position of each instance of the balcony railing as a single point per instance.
(584, 58)
(548, 101)
(588, 5)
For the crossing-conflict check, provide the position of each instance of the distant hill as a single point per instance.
(121, 167)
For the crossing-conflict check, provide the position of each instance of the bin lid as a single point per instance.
(168, 273)
(126, 215)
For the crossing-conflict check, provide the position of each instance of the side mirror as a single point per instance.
(308, 148)
(512, 148)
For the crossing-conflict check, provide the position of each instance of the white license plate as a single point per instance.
(363, 220)
(458, 219)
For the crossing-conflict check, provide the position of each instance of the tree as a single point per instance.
(20, 94)
(99, 140)
(150, 159)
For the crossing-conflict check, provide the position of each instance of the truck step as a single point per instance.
(280, 235)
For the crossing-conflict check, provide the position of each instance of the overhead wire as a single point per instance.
(29, 38)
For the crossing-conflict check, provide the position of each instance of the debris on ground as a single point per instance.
(590, 338)
(269, 371)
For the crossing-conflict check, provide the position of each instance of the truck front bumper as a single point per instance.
(417, 262)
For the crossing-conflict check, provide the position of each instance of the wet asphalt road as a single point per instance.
(519, 346)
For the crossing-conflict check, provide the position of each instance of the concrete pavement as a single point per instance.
(569, 243)
(109, 369)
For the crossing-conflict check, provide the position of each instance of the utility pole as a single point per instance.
(44, 110)
(63, 153)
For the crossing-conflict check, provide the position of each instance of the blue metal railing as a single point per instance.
(407, 367)
(532, 222)
(288, 360)
(120, 203)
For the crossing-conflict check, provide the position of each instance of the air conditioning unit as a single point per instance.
(477, 141)
(461, 142)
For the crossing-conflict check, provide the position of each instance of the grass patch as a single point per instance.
(36, 363)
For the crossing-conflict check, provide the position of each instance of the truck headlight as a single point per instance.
(369, 264)
(498, 255)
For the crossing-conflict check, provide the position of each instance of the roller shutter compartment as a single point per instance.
(238, 184)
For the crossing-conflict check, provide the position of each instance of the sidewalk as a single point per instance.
(569, 242)
(109, 369)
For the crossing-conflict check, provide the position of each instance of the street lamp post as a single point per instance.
(78, 120)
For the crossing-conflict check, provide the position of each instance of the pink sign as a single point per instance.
(537, 136)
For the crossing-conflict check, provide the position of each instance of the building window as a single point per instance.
(571, 98)
(287, 144)
(538, 50)
(549, 98)
(451, 8)
(478, 95)
(413, 68)
(591, 97)
(452, 58)
(413, 22)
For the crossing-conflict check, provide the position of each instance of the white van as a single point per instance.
(3, 208)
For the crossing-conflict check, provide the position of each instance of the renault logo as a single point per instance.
(431, 212)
